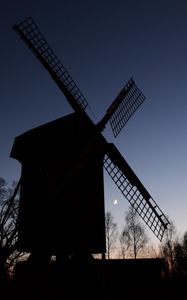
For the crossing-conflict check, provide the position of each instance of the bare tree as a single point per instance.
(111, 234)
(181, 257)
(8, 227)
(124, 245)
(185, 242)
(133, 237)
(168, 246)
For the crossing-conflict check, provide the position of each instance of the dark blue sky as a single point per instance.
(103, 44)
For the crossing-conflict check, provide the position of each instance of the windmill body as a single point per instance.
(62, 196)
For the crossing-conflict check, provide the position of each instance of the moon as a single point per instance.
(115, 201)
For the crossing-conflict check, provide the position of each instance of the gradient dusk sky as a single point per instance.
(102, 44)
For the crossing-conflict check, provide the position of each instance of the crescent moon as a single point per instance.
(115, 201)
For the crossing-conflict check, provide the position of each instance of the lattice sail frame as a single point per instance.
(135, 193)
(32, 36)
(129, 99)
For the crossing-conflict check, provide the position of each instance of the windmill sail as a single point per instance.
(123, 107)
(134, 191)
(128, 101)
(34, 39)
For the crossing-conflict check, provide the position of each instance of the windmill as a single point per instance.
(62, 193)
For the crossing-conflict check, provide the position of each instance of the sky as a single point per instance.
(102, 44)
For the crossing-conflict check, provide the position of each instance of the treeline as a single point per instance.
(133, 242)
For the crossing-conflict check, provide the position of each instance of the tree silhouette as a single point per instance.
(133, 237)
(168, 246)
(111, 234)
(8, 228)
(175, 253)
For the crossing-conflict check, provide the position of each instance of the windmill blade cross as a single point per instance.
(34, 39)
(134, 191)
(120, 111)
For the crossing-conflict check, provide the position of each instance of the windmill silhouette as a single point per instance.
(62, 189)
